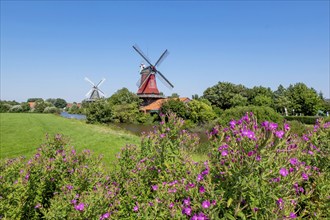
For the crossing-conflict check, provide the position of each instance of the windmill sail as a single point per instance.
(147, 83)
(94, 93)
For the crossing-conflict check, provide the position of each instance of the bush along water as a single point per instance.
(258, 171)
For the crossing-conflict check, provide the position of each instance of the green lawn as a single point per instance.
(22, 133)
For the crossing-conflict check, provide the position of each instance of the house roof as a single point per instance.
(156, 105)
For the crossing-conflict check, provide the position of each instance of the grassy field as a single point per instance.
(21, 134)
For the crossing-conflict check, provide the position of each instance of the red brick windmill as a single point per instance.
(148, 90)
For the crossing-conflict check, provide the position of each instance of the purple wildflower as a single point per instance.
(294, 161)
(136, 208)
(279, 134)
(186, 211)
(224, 153)
(162, 135)
(251, 153)
(69, 187)
(186, 201)
(304, 176)
(273, 126)
(284, 172)
(286, 127)
(293, 215)
(305, 138)
(280, 203)
(310, 152)
(38, 206)
(255, 209)
(232, 124)
(201, 189)
(206, 204)
(105, 216)
(171, 205)
(80, 207)
(154, 187)
(258, 158)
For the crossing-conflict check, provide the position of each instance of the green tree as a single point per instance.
(262, 100)
(221, 94)
(175, 106)
(174, 95)
(124, 96)
(99, 111)
(4, 106)
(304, 100)
(60, 103)
(126, 113)
(195, 96)
(41, 105)
(259, 90)
(282, 100)
(238, 100)
(34, 99)
(200, 112)
(25, 107)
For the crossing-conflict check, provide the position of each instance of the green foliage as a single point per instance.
(304, 100)
(125, 113)
(52, 110)
(74, 109)
(200, 111)
(221, 94)
(259, 91)
(34, 99)
(261, 113)
(4, 107)
(174, 95)
(58, 103)
(124, 96)
(175, 106)
(99, 111)
(238, 100)
(296, 127)
(41, 105)
(262, 100)
(16, 109)
(25, 106)
(308, 120)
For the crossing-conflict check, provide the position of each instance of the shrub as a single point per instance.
(16, 108)
(261, 114)
(4, 107)
(309, 120)
(99, 111)
(52, 110)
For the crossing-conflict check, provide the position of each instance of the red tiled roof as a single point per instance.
(156, 105)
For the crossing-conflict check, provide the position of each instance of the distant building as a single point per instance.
(32, 105)
(155, 106)
(69, 105)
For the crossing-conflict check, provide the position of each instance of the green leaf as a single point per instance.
(229, 216)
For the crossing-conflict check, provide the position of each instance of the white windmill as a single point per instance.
(95, 92)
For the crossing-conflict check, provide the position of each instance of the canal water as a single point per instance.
(136, 129)
(74, 116)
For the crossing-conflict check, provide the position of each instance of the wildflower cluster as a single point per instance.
(253, 171)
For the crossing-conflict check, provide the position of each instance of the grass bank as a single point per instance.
(22, 133)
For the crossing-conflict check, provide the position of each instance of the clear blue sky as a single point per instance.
(47, 48)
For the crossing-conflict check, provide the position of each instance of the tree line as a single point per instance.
(222, 99)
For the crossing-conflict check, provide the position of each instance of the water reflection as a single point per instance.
(74, 116)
